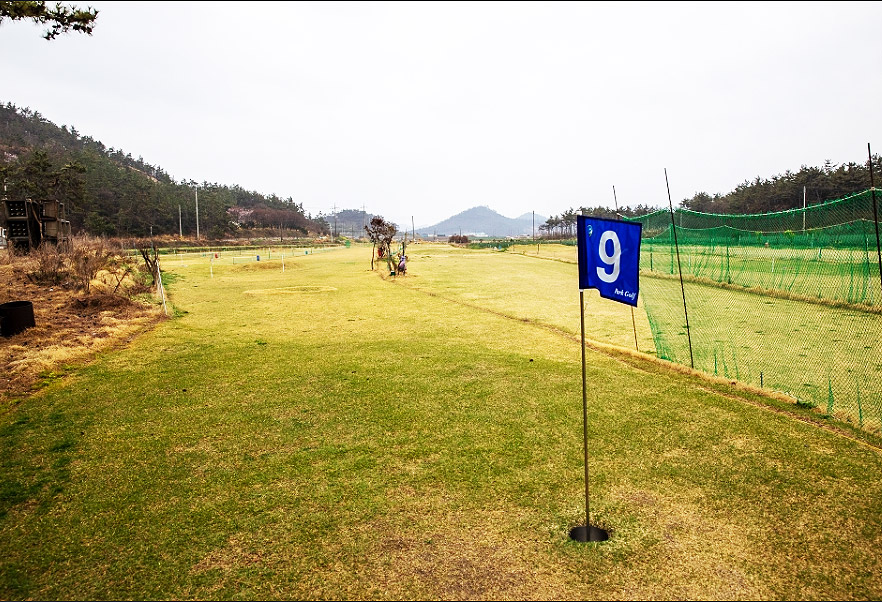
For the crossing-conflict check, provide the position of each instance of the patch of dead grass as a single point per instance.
(71, 327)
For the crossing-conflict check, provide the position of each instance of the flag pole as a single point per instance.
(586, 533)
(584, 411)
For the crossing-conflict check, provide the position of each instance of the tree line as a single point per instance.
(564, 225)
(107, 192)
(809, 185)
(812, 185)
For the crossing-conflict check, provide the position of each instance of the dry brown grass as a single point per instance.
(74, 319)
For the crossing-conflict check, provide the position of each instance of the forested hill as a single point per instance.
(108, 192)
(785, 191)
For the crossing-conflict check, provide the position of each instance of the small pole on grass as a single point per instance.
(633, 319)
(679, 269)
(160, 287)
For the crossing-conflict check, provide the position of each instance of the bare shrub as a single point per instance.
(84, 262)
(150, 255)
(46, 265)
(8, 256)
(88, 256)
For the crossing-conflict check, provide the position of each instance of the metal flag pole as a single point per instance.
(584, 411)
(586, 533)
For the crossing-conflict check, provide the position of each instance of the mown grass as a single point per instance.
(364, 438)
(845, 275)
(821, 354)
(828, 357)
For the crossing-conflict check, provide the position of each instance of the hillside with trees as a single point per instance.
(107, 192)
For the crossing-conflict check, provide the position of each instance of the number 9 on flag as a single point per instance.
(609, 257)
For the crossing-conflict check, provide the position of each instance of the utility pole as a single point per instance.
(196, 189)
(803, 208)
(180, 224)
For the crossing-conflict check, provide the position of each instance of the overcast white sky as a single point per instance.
(423, 110)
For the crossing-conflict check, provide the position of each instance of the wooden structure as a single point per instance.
(29, 223)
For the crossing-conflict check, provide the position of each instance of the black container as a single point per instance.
(15, 317)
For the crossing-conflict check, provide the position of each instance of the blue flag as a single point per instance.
(609, 257)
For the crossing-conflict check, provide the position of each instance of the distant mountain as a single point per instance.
(482, 221)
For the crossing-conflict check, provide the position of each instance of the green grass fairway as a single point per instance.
(846, 275)
(825, 356)
(543, 291)
(328, 432)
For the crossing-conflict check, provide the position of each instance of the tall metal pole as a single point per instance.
(803, 208)
(875, 212)
(196, 189)
(534, 233)
(180, 224)
(680, 269)
(585, 414)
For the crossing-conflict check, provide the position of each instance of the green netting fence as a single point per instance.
(790, 301)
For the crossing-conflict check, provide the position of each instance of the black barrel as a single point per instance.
(15, 316)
